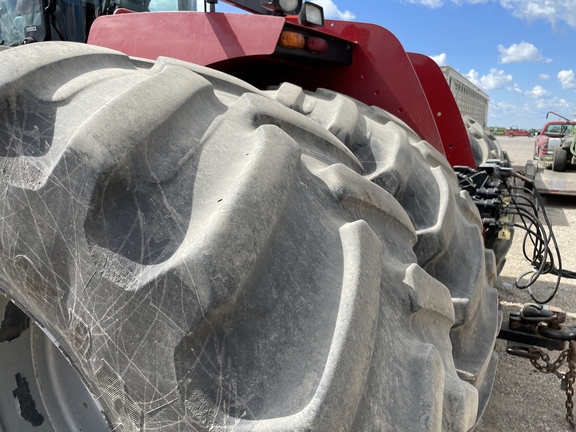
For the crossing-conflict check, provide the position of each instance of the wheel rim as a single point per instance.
(40, 390)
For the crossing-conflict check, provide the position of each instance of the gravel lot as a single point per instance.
(524, 399)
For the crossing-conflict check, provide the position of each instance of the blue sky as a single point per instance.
(521, 52)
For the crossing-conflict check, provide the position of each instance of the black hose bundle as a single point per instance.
(501, 205)
(539, 246)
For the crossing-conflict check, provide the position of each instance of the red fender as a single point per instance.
(381, 74)
(197, 37)
(446, 113)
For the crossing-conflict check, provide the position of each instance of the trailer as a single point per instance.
(551, 182)
(471, 100)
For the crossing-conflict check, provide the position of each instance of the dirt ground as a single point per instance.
(524, 399)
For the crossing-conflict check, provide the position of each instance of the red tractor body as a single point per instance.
(363, 61)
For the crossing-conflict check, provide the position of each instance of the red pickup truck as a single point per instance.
(512, 132)
(551, 136)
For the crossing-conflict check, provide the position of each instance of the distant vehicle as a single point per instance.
(555, 152)
(495, 130)
(512, 132)
(552, 135)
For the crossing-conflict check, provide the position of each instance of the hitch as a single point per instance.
(536, 325)
(539, 326)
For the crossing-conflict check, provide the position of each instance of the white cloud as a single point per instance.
(526, 115)
(554, 104)
(552, 11)
(566, 78)
(439, 3)
(440, 59)
(537, 92)
(430, 3)
(494, 80)
(514, 89)
(332, 11)
(501, 107)
(544, 77)
(520, 53)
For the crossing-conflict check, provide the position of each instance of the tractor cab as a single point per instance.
(19, 18)
(25, 21)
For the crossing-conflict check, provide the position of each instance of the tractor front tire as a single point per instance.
(209, 256)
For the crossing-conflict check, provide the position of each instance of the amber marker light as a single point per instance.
(292, 40)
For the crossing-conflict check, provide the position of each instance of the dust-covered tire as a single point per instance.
(484, 144)
(559, 159)
(210, 256)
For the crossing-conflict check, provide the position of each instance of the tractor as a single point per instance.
(263, 221)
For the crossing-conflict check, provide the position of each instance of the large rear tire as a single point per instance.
(210, 256)
(484, 144)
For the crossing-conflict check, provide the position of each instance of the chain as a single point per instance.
(544, 365)
(570, 377)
